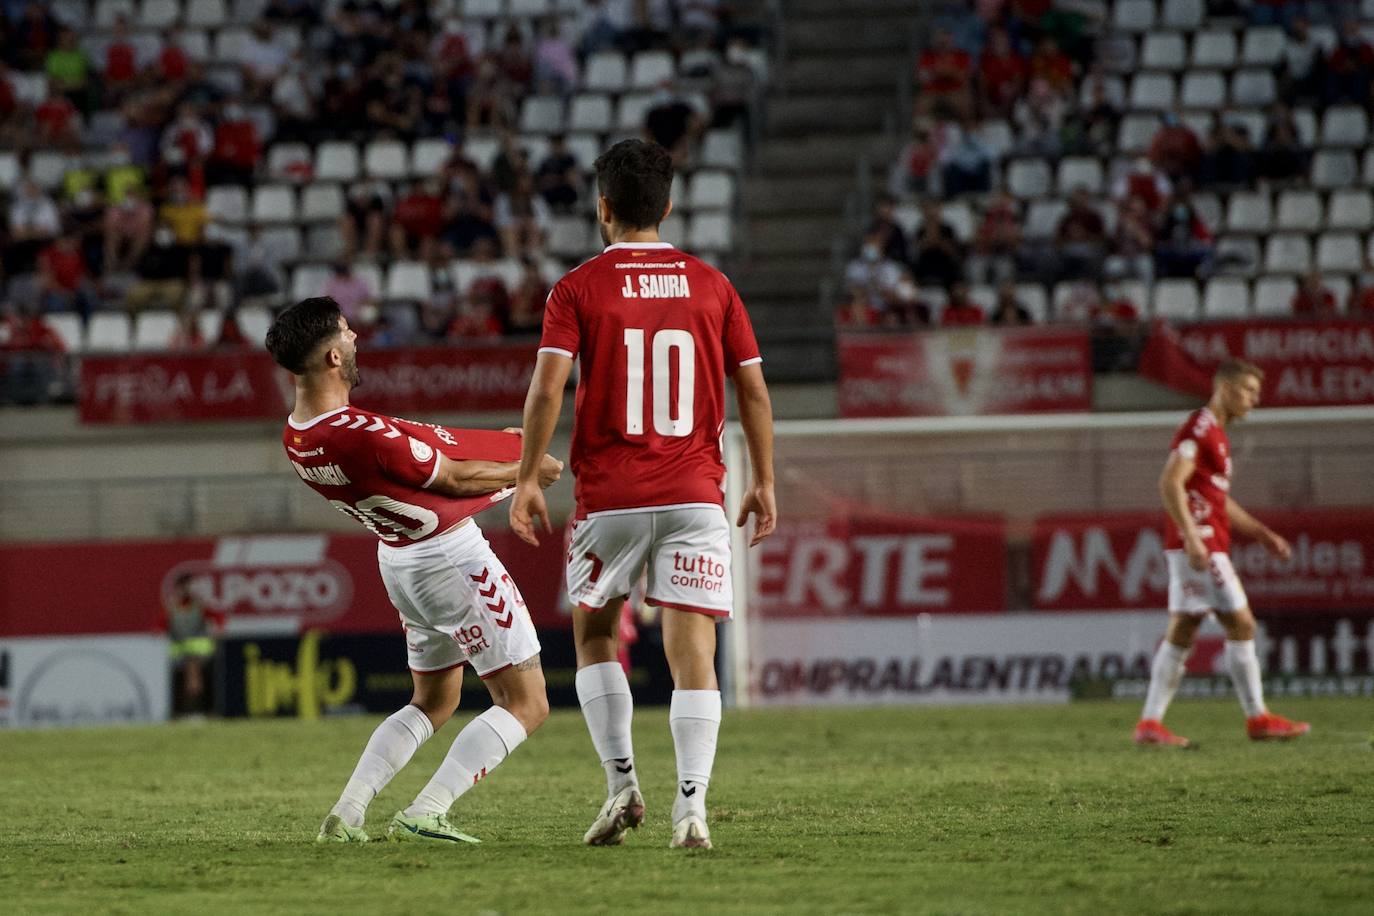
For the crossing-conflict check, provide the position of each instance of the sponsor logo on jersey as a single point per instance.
(666, 265)
(311, 453)
(471, 639)
(698, 571)
(328, 475)
(421, 450)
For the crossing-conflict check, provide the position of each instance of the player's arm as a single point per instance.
(1248, 526)
(543, 404)
(1173, 492)
(756, 416)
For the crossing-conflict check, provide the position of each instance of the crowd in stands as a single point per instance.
(151, 156)
(1070, 160)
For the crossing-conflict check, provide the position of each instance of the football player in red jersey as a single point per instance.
(657, 331)
(1195, 488)
(416, 487)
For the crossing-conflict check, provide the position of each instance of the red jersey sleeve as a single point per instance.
(741, 349)
(407, 460)
(562, 333)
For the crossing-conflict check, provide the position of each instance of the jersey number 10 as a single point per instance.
(664, 343)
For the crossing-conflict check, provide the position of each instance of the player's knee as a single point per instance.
(531, 709)
(1239, 627)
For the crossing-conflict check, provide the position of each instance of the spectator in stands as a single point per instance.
(185, 218)
(33, 358)
(1081, 237)
(1040, 117)
(236, 151)
(915, 163)
(559, 178)
(34, 221)
(351, 291)
(966, 164)
(1274, 12)
(489, 100)
(555, 62)
(300, 12)
(173, 64)
(57, 120)
(960, 310)
(514, 62)
(476, 319)
(522, 218)
(1350, 67)
(856, 311)
(121, 62)
(943, 73)
(884, 284)
(1283, 156)
(187, 335)
(1360, 304)
(997, 240)
(526, 315)
(128, 229)
(14, 128)
(262, 58)
(600, 24)
(363, 224)
(1228, 161)
(1175, 149)
(1143, 181)
(188, 139)
(1008, 310)
(416, 222)
(392, 104)
(884, 227)
(1093, 129)
(674, 121)
(69, 69)
(293, 99)
(1135, 238)
(938, 254)
(1303, 68)
(63, 277)
(257, 268)
(1052, 65)
(1183, 243)
(1002, 74)
(34, 36)
(1313, 299)
(733, 85)
(468, 220)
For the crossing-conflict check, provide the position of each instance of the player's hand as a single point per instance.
(1198, 557)
(758, 501)
(1275, 544)
(528, 509)
(550, 469)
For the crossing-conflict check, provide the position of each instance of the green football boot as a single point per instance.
(334, 830)
(425, 828)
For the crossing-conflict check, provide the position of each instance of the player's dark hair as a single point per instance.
(1232, 369)
(300, 329)
(635, 177)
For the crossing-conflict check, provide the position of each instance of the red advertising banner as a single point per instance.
(248, 385)
(270, 583)
(1306, 363)
(881, 566)
(1111, 561)
(965, 371)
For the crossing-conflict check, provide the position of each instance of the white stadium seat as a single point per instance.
(1079, 172)
(1042, 219)
(723, 148)
(108, 331)
(1028, 178)
(998, 137)
(529, 9)
(542, 114)
(229, 44)
(9, 170)
(206, 14)
(650, 69)
(482, 150)
(1163, 51)
(584, 148)
(1262, 47)
(47, 169)
(710, 232)
(1345, 125)
(107, 11)
(386, 159)
(632, 109)
(1175, 299)
(1339, 252)
(1214, 49)
(1306, 121)
(711, 190)
(1274, 295)
(154, 330)
(274, 204)
(1203, 89)
(284, 242)
(288, 161)
(428, 156)
(1285, 253)
(408, 280)
(1369, 166)
(1300, 211)
(1183, 14)
(1334, 169)
(1133, 15)
(1253, 89)
(570, 237)
(606, 72)
(484, 9)
(321, 202)
(673, 230)
(591, 112)
(336, 161)
(324, 242)
(1237, 255)
(68, 328)
(158, 14)
(254, 321)
(1249, 211)
(308, 280)
(1152, 92)
(227, 204)
(1226, 298)
(1351, 209)
(209, 322)
(1136, 132)
(195, 43)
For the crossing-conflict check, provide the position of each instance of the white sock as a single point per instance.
(1165, 674)
(391, 746)
(694, 718)
(1243, 663)
(604, 692)
(479, 747)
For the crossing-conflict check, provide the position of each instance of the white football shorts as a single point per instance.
(458, 604)
(1216, 588)
(686, 550)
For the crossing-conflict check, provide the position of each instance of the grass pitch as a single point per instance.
(973, 810)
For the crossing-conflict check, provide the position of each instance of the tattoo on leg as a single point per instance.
(529, 664)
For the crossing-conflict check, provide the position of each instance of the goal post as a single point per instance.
(886, 490)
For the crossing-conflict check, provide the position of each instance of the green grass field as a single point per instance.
(975, 810)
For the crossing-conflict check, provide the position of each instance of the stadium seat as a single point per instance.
(631, 111)
(1183, 14)
(10, 171)
(1345, 125)
(1351, 209)
(195, 43)
(1152, 92)
(482, 150)
(108, 331)
(1274, 295)
(1369, 166)
(321, 202)
(428, 156)
(336, 161)
(711, 190)
(1204, 89)
(209, 322)
(529, 9)
(1042, 219)
(1306, 121)
(308, 280)
(224, 234)
(1175, 300)
(158, 14)
(1032, 296)
(1249, 211)
(674, 230)
(591, 112)
(998, 137)
(408, 280)
(206, 14)
(959, 214)
(584, 148)
(1226, 298)
(1250, 120)
(1164, 51)
(1333, 169)
(254, 320)
(606, 72)
(324, 242)
(107, 11)
(1237, 255)
(47, 169)
(227, 48)
(710, 232)
(288, 162)
(1214, 49)
(650, 69)
(1253, 89)
(1028, 178)
(1287, 254)
(1339, 252)
(570, 237)
(274, 204)
(1133, 15)
(1208, 206)
(1136, 132)
(284, 242)
(542, 114)
(1079, 172)
(227, 204)
(484, 9)
(1300, 211)
(154, 330)
(68, 328)
(722, 148)
(386, 159)
(1262, 47)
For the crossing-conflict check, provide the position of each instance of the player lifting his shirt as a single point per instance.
(657, 332)
(416, 487)
(1195, 488)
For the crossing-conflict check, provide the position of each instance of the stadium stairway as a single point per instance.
(840, 67)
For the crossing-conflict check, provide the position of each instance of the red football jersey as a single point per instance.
(1202, 439)
(377, 469)
(657, 331)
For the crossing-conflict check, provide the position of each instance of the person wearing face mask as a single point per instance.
(1183, 243)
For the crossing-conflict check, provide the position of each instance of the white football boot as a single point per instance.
(622, 812)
